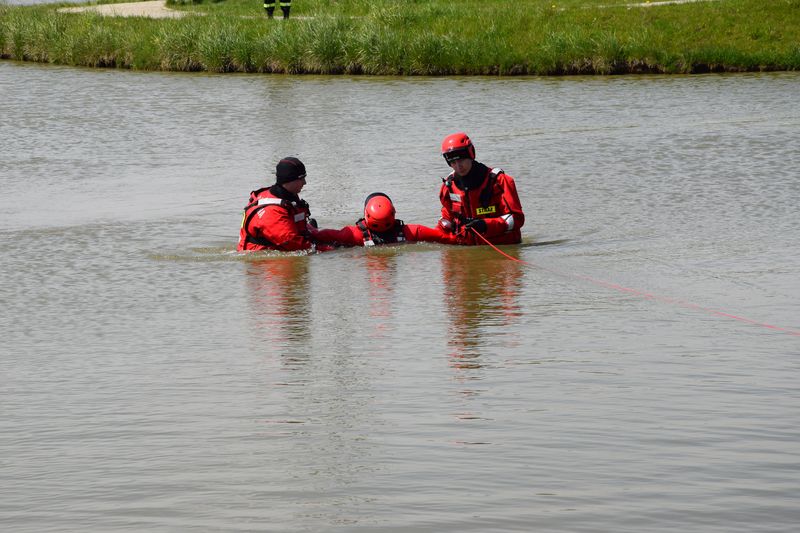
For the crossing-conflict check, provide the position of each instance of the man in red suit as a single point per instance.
(276, 218)
(476, 197)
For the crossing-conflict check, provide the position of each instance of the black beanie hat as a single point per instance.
(289, 169)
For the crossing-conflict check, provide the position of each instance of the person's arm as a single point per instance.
(513, 218)
(420, 233)
(347, 236)
(448, 222)
(281, 230)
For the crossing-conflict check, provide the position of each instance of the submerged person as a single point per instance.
(276, 218)
(476, 197)
(380, 226)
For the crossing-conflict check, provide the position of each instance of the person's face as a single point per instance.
(461, 166)
(295, 186)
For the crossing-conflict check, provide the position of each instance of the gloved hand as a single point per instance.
(478, 224)
(446, 225)
(311, 228)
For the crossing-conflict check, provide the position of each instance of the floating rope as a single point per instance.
(644, 294)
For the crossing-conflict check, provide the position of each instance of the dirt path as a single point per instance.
(152, 9)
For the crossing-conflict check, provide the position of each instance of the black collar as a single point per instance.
(474, 178)
(278, 191)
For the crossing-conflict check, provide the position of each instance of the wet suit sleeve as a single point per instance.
(347, 236)
(513, 217)
(280, 229)
(444, 198)
(419, 233)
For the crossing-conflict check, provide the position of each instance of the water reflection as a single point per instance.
(381, 272)
(481, 292)
(317, 396)
(278, 289)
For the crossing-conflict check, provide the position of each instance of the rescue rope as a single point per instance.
(641, 293)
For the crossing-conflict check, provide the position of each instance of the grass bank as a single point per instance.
(420, 37)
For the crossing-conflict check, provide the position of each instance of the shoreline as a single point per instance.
(159, 9)
(436, 38)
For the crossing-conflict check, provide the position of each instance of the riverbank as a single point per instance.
(387, 37)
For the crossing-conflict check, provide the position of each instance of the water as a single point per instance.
(154, 380)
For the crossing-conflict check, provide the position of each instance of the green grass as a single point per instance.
(419, 37)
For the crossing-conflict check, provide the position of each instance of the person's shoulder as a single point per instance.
(502, 174)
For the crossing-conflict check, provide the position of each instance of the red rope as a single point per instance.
(641, 293)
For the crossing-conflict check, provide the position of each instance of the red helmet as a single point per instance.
(378, 212)
(457, 146)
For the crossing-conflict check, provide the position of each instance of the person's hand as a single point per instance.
(311, 228)
(446, 225)
(478, 224)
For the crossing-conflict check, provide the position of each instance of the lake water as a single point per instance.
(153, 380)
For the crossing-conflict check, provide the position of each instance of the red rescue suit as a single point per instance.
(275, 219)
(360, 235)
(492, 198)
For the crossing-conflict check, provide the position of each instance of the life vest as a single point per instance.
(487, 194)
(371, 238)
(298, 210)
